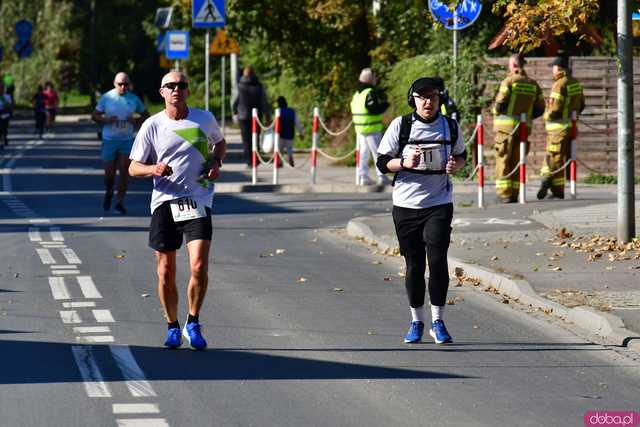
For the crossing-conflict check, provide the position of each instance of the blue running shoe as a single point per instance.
(439, 333)
(415, 332)
(174, 340)
(192, 333)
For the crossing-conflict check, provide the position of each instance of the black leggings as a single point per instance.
(4, 129)
(424, 236)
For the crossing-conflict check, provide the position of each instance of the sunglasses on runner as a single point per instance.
(125, 84)
(174, 85)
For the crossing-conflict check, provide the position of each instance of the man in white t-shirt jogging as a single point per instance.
(182, 149)
(118, 111)
(423, 148)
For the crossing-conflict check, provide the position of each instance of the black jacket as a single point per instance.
(251, 94)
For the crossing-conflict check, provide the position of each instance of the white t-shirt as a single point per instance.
(184, 145)
(418, 191)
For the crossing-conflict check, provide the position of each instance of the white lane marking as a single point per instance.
(79, 304)
(103, 316)
(56, 235)
(45, 256)
(64, 272)
(88, 288)
(135, 380)
(58, 288)
(53, 245)
(70, 316)
(95, 339)
(39, 220)
(142, 422)
(34, 234)
(136, 408)
(91, 329)
(91, 375)
(63, 267)
(71, 256)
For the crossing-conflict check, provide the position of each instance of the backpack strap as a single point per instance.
(403, 138)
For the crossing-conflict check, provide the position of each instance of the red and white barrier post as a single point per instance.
(573, 171)
(522, 196)
(314, 144)
(254, 146)
(480, 140)
(276, 147)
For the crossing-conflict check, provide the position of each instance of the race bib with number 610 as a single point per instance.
(186, 208)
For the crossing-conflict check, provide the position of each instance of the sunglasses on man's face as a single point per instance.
(174, 85)
(123, 84)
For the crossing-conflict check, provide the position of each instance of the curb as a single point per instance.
(222, 188)
(607, 326)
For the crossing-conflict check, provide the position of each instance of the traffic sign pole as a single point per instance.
(223, 91)
(206, 71)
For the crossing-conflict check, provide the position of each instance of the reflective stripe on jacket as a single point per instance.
(566, 96)
(364, 122)
(517, 94)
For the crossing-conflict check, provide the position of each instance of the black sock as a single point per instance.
(174, 324)
(192, 319)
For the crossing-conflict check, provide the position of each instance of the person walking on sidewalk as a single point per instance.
(39, 110)
(6, 110)
(251, 94)
(423, 148)
(367, 105)
(182, 149)
(288, 124)
(518, 94)
(118, 111)
(566, 96)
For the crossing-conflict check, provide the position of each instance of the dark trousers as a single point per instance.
(41, 117)
(245, 133)
(424, 236)
(4, 130)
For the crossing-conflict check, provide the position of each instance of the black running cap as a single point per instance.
(427, 83)
(560, 61)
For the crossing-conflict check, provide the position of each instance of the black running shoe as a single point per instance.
(106, 204)
(120, 208)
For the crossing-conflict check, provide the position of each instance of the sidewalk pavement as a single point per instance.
(575, 274)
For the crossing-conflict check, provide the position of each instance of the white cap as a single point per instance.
(367, 76)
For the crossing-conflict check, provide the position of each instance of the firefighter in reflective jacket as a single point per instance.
(517, 94)
(367, 106)
(566, 96)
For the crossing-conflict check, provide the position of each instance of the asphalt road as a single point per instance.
(304, 325)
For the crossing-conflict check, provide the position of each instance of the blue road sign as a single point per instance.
(635, 16)
(464, 15)
(23, 47)
(207, 13)
(176, 45)
(160, 42)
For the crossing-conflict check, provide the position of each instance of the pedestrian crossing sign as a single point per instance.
(222, 44)
(207, 13)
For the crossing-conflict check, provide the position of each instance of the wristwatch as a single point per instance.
(402, 162)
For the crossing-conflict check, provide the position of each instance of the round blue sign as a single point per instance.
(463, 16)
(24, 29)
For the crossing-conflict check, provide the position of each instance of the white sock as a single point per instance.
(417, 314)
(436, 312)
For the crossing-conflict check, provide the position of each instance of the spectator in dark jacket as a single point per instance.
(251, 94)
(289, 122)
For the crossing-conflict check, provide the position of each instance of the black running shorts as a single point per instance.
(165, 235)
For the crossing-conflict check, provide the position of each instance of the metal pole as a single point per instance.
(233, 77)
(626, 202)
(223, 64)
(455, 51)
(206, 71)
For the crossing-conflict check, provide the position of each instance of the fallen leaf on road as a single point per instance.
(536, 268)
(242, 235)
(476, 327)
(458, 271)
(539, 253)
(145, 295)
(371, 332)
(376, 262)
(280, 251)
(15, 276)
(120, 256)
(401, 273)
(563, 233)
(557, 269)
(387, 279)
(494, 258)
(338, 290)
(302, 280)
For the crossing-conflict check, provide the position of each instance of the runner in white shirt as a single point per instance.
(182, 149)
(423, 149)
